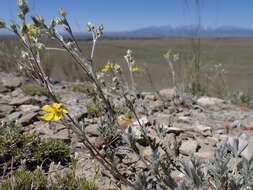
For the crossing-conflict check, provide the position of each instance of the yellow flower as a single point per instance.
(168, 53)
(54, 112)
(107, 67)
(133, 62)
(133, 69)
(31, 31)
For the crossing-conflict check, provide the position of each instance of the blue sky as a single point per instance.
(122, 15)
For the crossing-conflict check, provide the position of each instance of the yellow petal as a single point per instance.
(133, 62)
(64, 110)
(48, 108)
(48, 116)
(28, 26)
(104, 70)
(56, 105)
(135, 69)
(57, 116)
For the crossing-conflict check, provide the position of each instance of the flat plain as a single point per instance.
(235, 54)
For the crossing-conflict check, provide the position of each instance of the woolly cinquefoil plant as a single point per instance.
(163, 158)
(31, 35)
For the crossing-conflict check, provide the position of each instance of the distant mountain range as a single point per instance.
(188, 30)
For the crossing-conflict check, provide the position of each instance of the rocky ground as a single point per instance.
(199, 123)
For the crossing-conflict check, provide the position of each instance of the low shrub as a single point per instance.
(84, 87)
(18, 148)
(34, 89)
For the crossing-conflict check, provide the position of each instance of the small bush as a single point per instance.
(53, 150)
(23, 179)
(242, 99)
(94, 109)
(85, 87)
(25, 160)
(34, 89)
(17, 148)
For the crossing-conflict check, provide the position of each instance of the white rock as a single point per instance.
(168, 92)
(209, 101)
(29, 108)
(188, 147)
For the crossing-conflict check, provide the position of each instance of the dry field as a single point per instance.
(234, 53)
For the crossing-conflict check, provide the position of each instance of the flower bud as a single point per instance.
(101, 28)
(25, 10)
(38, 20)
(129, 52)
(2, 23)
(24, 29)
(90, 26)
(21, 15)
(23, 6)
(59, 21)
(98, 33)
(63, 12)
(14, 27)
(21, 3)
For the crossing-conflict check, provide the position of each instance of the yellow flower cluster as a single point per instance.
(31, 31)
(133, 67)
(55, 112)
(107, 68)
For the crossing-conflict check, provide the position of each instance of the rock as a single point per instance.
(97, 141)
(17, 92)
(40, 98)
(14, 116)
(188, 147)
(23, 100)
(6, 109)
(92, 130)
(29, 108)
(77, 111)
(205, 130)
(51, 130)
(2, 88)
(27, 118)
(10, 81)
(205, 154)
(209, 101)
(69, 97)
(4, 99)
(184, 119)
(168, 92)
(162, 119)
(149, 96)
(157, 106)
